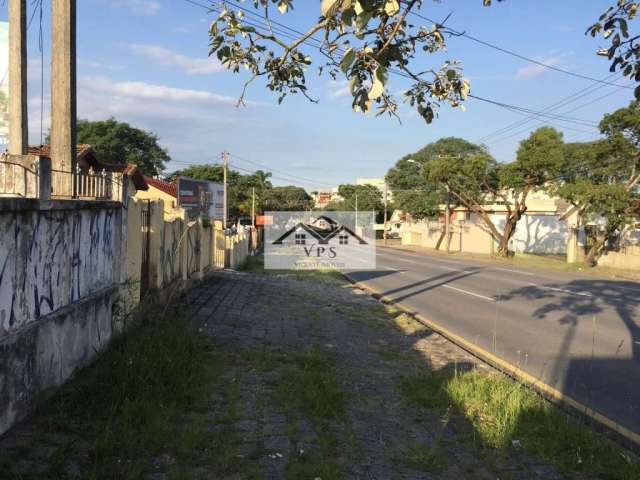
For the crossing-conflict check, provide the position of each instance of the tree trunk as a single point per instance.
(592, 256)
(509, 230)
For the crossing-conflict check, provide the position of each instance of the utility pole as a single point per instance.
(18, 127)
(447, 221)
(63, 90)
(253, 207)
(384, 232)
(225, 164)
(356, 225)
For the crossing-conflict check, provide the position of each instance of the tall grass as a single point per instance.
(127, 403)
(506, 414)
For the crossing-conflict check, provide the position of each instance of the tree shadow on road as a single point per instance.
(606, 382)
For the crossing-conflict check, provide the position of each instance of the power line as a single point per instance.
(269, 168)
(569, 111)
(520, 56)
(246, 170)
(560, 103)
(283, 176)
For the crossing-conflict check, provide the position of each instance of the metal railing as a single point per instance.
(86, 185)
(18, 180)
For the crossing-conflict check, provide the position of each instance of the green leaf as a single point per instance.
(328, 8)
(347, 59)
(392, 7)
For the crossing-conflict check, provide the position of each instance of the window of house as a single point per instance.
(301, 238)
(344, 239)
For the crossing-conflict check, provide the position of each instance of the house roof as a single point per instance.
(85, 152)
(166, 187)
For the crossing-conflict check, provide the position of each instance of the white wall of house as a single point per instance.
(538, 233)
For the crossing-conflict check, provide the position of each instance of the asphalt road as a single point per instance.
(579, 334)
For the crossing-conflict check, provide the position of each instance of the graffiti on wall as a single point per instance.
(193, 250)
(170, 252)
(50, 259)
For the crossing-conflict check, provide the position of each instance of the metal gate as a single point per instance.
(146, 232)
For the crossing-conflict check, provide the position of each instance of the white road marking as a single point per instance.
(395, 270)
(468, 292)
(413, 262)
(514, 271)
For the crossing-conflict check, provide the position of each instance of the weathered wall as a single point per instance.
(192, 239)
(60, 272)
(171, 252)
(627, 258)
(134, 247)
(541, 234)
(238, 246)
(51, 258)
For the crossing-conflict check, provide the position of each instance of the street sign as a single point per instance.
(202, 197)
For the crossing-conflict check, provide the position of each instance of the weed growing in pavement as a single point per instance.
(423, 458)
(309, 385)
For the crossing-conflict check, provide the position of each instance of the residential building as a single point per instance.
(543, 229)
(165, 191)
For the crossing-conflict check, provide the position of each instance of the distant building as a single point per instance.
(379, 183)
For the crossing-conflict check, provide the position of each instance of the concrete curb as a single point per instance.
(626, 437)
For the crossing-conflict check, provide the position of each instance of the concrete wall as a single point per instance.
(238, 246)
(60, 274)
(171, 247)
(540, 234)
(535, 233)
(471, 237)
(134, 248)
(627, 258)
(192, 240)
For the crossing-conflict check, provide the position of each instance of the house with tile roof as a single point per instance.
(89, 162)
(165, 191)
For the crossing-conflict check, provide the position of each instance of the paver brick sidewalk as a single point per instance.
(370, 350)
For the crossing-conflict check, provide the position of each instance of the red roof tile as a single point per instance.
(45, 150)
(166, 187)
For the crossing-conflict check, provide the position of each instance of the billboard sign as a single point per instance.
(4, 85)
(264, 220)
(201, 197)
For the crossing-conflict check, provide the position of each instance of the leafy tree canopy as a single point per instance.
(602, 177)
(363, 41)
(289, 198)
(413, 191)
(623, 51)
(476, 181)
(369, 198)
(119, 142)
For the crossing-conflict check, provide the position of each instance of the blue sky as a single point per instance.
(145, 62)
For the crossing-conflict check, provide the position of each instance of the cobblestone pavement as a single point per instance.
(371, 350)
(262, 325)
